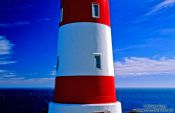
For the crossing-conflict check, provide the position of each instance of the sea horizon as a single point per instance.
(115, 88)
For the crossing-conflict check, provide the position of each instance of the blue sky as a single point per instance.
(143, 42)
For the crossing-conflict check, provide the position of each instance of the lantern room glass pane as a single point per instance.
(61, 14)
(95, 10)
(98, 61)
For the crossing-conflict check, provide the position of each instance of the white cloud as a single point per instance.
(136, 66)
(7, 62)
(5, 51)
(5, 46)
(2, 71)
(8, 76)
(163, 5)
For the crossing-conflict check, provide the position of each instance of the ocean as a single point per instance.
(147, 100)
(36, 100)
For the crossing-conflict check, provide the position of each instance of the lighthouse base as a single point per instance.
(85, 108)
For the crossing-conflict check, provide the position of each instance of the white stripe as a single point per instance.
(85, 108)
(78, 44)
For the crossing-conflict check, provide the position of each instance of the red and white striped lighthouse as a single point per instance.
(85, 72)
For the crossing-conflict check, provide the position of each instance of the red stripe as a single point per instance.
(81, 11)
(85, 89)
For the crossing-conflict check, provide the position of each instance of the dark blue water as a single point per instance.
(35, 100)
(147, 99)
(24, 100)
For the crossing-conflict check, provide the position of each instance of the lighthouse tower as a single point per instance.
(85, 72)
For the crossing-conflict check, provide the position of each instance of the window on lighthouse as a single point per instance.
(61, 14)
(98, 61)
(95, 10)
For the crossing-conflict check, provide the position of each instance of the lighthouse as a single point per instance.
(85, 80)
